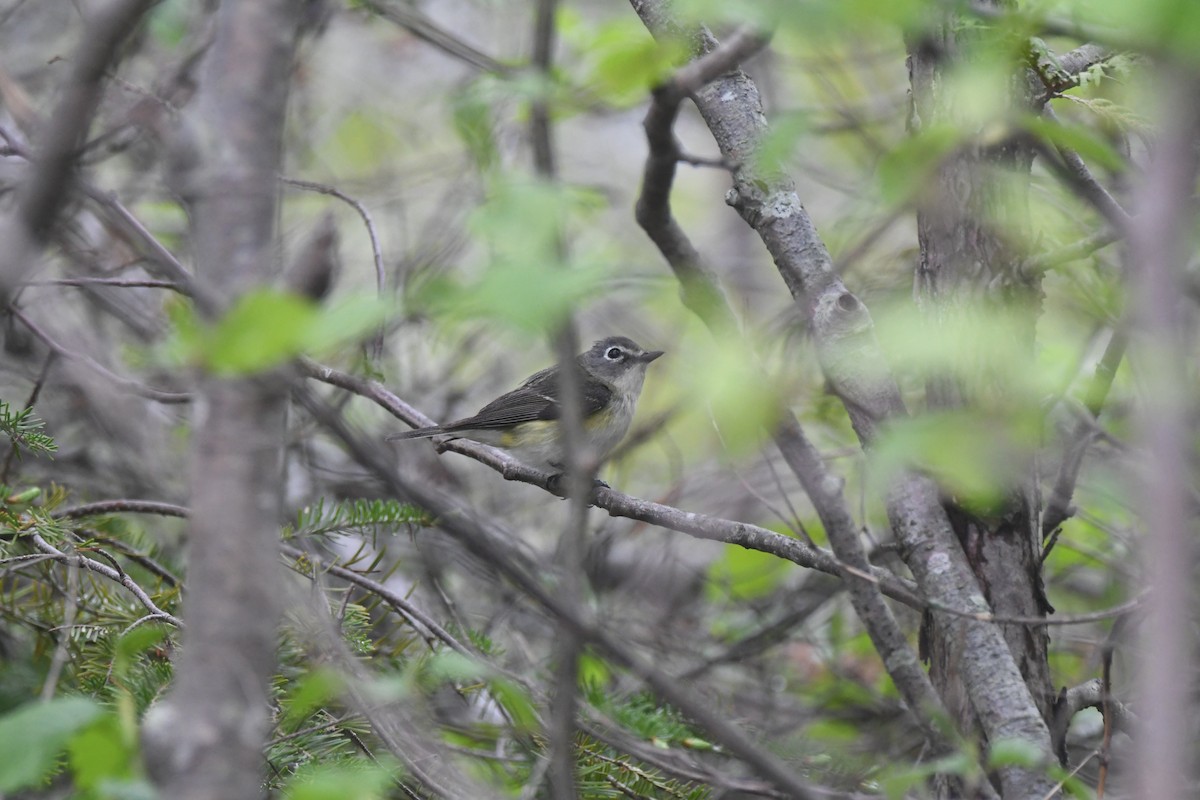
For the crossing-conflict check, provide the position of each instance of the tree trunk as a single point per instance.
(969, 261)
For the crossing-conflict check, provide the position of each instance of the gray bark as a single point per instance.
(205, 741)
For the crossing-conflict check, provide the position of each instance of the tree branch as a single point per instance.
(44, 190)
(91, 565)
(619, 504)
(481, 536)
(205, 739)
(842, 330)
(707, 300)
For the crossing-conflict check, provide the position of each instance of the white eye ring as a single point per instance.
(613, 354)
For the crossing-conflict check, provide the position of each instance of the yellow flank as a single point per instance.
(545, 432)
(530, 434)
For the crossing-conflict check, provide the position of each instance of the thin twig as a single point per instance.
(62, 651)
(158, 395)
(368, 221)
(33, 397)
(619, 504)
(415, 616)
(108, 572)
(104, 507)
(372, 234)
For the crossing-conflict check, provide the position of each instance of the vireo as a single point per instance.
(525, 420)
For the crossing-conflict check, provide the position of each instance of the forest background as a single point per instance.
(909, 506)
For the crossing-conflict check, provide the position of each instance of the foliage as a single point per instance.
(25, 430)
(484, 258)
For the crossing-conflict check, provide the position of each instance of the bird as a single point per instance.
(524, 421)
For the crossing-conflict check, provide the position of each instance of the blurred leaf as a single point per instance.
(450, 665)
(262, 329)
(777, 146)
(908, 168)
(743, 574)
(976, 457)
(1085, 142)
(102, 753)
(813, 20)
(897, 783)
(526, 284)
(313, 690)
(168, 22)
(267, 327)
(344, 321)
(517, 703)
(619, 58)
(1013, 752)
(474, 124)
(32, 737)
(363, 141)
(134, 643)
(362, 781)
(722, 381)
(983, 347)
(593, 671)
(1158, 24)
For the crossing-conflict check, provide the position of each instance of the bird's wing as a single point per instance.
(536, 399)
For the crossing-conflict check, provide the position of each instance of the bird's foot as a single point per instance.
(558, 484)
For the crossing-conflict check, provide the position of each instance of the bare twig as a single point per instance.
(103, 507)
(62, 651)
(481, 536)
(363, 213)
(1058, 505)
(703, 296)
(415, 616)
(619, 504)
(121, 283)
(42, 194)
(158, 395)
(419, 25)
(114, 575)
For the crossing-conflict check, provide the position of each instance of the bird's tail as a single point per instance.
(418, 433)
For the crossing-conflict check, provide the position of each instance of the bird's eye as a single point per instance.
(613, 354)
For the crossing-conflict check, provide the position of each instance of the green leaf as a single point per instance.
(593, 671)
(473, 122)
(526, 283)
(267, 327)
(135, 642)
(906, 170)
(363, 141)
(32, 736)
(977, 457)
(745, 574)
(263, 328)
(728, 390)
(311, 692)
(1078, 138)
(777, 145)
(1158, 24)
(1013, 753)
(517, 703)
(620, 60)
(168, 23)
(102, 753)
(364, 781)
(347, 320)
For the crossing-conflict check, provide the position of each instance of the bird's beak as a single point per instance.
(647, 357)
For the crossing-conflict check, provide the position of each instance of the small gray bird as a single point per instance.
(525, 420)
